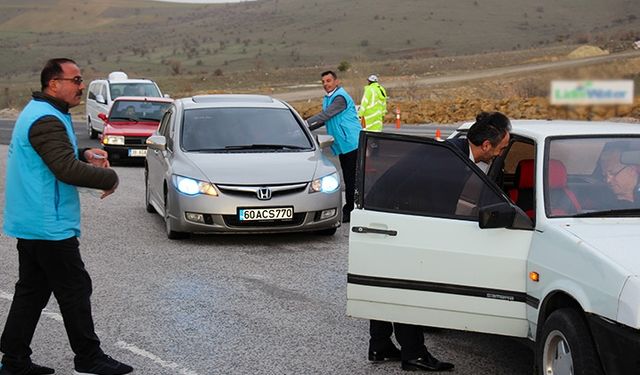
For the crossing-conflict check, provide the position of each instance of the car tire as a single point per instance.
(565, 346)
(92, 133)
(147, 194)
(327, 232)
(171, 234)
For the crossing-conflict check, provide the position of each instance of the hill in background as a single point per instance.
(155, 38)
(273, 45)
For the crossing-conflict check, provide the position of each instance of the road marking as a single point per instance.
(120, 344)
(157, 360)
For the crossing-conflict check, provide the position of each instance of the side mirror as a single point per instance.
(157, 142)
(324, 140)
(166, 96)
(499, 215)
(100, 99)
(503, 215)
(102, 117)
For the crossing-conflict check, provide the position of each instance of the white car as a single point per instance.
(544, 246)
(102, 92)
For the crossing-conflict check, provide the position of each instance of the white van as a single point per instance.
(102, 92)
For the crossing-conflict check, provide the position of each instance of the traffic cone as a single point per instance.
(397, 117)
(438, 135)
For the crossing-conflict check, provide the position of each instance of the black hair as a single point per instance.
(329, 72)
(52, 69)
(491, 126)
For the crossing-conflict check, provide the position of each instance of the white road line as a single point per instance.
(120, 344)
(159, 361)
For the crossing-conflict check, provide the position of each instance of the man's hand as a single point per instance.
(97, 157)
(106, 193)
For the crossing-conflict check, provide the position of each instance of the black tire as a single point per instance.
(147, 201)
(327, 232)
(171, 234)
(565, 346)
(92, 133)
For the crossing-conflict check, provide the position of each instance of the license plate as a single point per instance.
(137, 152)
(272, 213)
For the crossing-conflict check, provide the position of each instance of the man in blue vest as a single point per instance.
(42, 210)
(341, 119)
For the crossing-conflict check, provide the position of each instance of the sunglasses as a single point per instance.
(76, 80)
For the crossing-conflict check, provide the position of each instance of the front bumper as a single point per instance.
(617, 344)
(125, 151)
(221, 213)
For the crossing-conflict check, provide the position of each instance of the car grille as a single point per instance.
(232, 221)
(252, 191)
(135, 140)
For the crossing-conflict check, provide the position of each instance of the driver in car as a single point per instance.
(622, 178)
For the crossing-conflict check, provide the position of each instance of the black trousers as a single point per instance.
(410, 338)
(348, 164)
(46, 267)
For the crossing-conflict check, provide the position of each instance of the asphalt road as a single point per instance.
(224, 304)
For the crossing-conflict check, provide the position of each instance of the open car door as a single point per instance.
(417, 252)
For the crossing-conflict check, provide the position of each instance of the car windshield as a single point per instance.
(242, 130)
(130, 110)
(593, 177)
(134, 89)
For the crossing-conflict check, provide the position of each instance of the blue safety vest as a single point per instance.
(37, 205)
(343, 127)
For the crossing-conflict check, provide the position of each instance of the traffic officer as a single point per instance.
(373, 105)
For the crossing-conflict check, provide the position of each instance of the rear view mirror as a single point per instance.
(157, 142)
(102, 117)
(499, 215)
(100, 99)
(324, 140)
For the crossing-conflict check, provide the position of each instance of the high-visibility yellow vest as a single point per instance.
(373, 106)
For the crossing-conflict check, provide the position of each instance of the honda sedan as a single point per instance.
(240, 163)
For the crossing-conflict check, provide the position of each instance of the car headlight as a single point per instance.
(190, 186)
(326, 184)
(113, 140)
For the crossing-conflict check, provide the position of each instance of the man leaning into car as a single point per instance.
(42, 210)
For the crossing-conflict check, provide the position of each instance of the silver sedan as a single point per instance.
(240, 163)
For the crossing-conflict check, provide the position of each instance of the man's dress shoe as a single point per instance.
(391, 354)
(427, 363)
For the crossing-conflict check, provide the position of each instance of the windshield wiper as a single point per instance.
(149, 119)
(263, 146)
(611, 213)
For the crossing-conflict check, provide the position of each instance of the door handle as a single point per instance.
(374, 230)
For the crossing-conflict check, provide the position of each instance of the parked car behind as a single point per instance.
(240, 163)
(543, 246)
(130, 122)
(102, 92)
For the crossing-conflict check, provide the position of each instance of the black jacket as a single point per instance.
(49, 138)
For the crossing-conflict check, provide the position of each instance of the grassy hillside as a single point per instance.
(271, 42)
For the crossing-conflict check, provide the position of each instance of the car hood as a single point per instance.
(257, 168)
(132, 129)
(615, 238)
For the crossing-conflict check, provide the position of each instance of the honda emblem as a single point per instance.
(264, 193)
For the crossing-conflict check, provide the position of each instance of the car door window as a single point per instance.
(165, 128)
(103, 92)
(424, 177)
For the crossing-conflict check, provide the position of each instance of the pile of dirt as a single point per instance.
(586, 51)
(461, 109)
(9, 113)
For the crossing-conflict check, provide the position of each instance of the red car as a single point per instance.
(130, 122)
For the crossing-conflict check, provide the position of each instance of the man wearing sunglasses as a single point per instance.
(42, 210)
